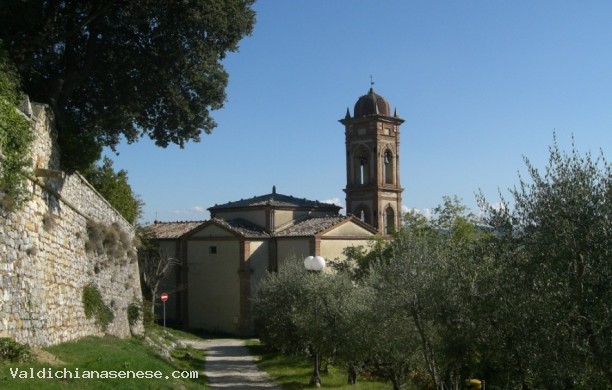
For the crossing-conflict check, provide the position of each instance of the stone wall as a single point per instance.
(45, 257)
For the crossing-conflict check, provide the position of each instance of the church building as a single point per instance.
(223, 259)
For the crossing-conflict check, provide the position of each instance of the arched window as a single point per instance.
(389, 220)
(388, 167)
(362, 169)
(363, 213)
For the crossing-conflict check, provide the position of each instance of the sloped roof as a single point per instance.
(276, 200)
(173, 230)
(242, 227)
(170, 230)
(311, 226)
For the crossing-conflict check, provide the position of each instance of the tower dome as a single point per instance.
(372, 104)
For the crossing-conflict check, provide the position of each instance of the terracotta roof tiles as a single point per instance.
(310, 226)
(276, 200)
(170, 230)
(242, 227)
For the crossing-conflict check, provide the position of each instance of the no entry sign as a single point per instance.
(164, 297)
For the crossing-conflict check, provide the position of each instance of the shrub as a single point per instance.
(133, 313)
(95, 307)
(110, 240)
(13, 351)
(148, 317)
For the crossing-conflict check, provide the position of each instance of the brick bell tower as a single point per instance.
(373, 191)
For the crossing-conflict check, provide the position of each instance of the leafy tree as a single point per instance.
(15, 138)
(299, 312)
(280, 295)
(386, 337)
(115, 188)
(560, 275)
(358, 259)
(523, 304)
(428, 285)
(112, 69)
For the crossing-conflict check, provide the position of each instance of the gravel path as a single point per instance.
(230, 366)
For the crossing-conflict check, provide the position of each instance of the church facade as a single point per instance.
(223, 259)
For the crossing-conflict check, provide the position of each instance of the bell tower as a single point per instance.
(373, 191)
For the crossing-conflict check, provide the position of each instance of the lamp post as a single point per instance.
(315, 264)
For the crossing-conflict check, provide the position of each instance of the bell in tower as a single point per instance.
(373, 191)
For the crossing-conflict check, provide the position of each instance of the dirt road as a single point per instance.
(230, 366)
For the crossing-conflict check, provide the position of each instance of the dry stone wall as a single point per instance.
(47, 257)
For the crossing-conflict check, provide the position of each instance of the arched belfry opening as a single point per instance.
(388, 167)
(389, 220)
(361, 167)
(363, 213)
(373, 190)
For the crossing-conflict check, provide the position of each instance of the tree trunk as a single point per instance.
(352, 374)
(153, 297)
(428, 352)
(396, 383)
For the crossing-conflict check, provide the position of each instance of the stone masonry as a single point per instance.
(44, 259)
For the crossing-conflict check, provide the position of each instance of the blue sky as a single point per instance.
(480, 84)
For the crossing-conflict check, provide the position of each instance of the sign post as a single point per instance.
(164, 298)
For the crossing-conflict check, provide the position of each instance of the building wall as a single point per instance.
(349, 234)
(331, 249)
(299, 247)
(44, 261)
(258, 262)
(214, 285)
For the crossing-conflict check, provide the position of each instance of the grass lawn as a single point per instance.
(103, 354)
(294, 372)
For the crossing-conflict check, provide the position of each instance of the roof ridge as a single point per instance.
(156, 222)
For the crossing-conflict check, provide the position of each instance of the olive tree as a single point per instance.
(558, 243)
(314, 314)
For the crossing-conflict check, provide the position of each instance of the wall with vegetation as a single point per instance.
(64, 240)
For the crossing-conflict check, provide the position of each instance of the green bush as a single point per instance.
(13, 351)
(148, 317)
(95, 307)
(133, 313)
(15, 138)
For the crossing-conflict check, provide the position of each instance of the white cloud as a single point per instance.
(194, 209)
(425, 212)
(199, 209)
(335, 201)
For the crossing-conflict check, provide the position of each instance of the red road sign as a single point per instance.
(164, 297)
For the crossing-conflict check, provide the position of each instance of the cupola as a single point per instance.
(371, 104)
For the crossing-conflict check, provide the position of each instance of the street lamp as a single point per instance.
(315, 264)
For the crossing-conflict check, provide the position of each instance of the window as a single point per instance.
(212, 249)
(388, 168)
(389, 220)
(363, 163)
(362, 213)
